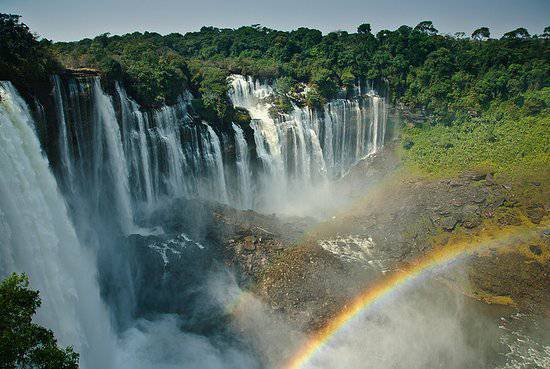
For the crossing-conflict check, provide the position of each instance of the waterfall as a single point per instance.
(214, 163)
(244, 173)
(115, 156)
(136, 146)
(115, 163)
(63, 135)
(37, 237)
(122, 159)
(305, 148)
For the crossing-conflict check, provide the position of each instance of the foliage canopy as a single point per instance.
(24, 344)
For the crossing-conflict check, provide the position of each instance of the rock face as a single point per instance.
(526, 283)
(308, 271)
(170, 270)
(395, 223)
(309, 284)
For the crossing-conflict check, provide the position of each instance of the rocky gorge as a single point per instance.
(301, 211)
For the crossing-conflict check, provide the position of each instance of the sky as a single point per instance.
(68, 20)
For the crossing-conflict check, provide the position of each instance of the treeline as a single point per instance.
(444, 75)
(24, 60)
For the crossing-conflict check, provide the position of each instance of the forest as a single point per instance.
(451, 80)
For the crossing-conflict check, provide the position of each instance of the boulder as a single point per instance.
(535, 213)
(448, 223)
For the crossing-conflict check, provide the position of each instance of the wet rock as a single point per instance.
(535, 249)
(478, 175)
(444, 212)
(470, 217)
(458, 202)
(496, 201)
(448, 223)
(510, 202)
(479, 197)
(535, 213)
(249, 243)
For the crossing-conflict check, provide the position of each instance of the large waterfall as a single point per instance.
(302, 150)
(38, 238)
(118, 157)
(125, 159)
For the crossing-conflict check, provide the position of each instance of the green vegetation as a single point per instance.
(511, 136)
(444, 75)
(23, 59)
(24, 344)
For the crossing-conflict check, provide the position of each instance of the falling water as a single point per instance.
(116, 159)
(303, 149)
(121, 157)
(37, 237)
(214, 163)
(244, 173)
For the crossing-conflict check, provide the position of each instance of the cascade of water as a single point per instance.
(37, 237)
(162, 153)
(167, 122)
(244, 174)
(106, 119)
(306, 147)
(63, 143)
(214, 163)
(135, 146)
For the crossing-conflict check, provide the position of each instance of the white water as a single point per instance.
(243, 169)
(301, 151)
(63, 135)
(136, 158)
(135, 145)
(125, 163)
(116, 159)
(37, 237)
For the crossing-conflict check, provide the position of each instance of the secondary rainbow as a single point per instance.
(437, 258)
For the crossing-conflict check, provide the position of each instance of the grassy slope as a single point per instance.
(512, 140)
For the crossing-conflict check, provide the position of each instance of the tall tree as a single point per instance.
(426, 27)
(481, 33)
(364, 29)
(517, 33)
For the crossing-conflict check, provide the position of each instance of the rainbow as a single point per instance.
(435, 259)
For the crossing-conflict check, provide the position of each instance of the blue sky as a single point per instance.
(65, 20)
